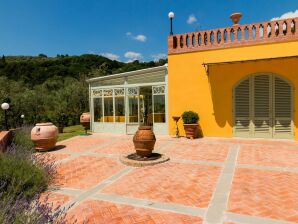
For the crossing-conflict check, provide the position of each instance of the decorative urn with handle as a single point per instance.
(235, 17)
(85, 120)
(144, 141)
(44, 136)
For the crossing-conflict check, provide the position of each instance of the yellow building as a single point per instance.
(241, 80)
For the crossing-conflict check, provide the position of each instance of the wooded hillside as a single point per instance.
(53, 89)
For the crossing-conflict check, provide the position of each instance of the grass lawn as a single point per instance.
(71, 131)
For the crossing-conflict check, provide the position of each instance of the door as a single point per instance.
(139, 108)
(263, 107)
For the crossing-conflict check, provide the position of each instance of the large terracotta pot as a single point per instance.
(85, 120)
(44, 136)
(236, 17)
(190, 130)
(144, 141)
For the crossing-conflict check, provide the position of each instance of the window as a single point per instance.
(159, 109)
(133, 109)
(97, 105)
(108, 105)
(133, 104)
(119, 105)
(108, 109)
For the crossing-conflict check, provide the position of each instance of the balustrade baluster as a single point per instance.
(280, 29)
(222, 41)
(257, 37)
(265, 31)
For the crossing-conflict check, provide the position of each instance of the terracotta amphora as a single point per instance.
(144, 141)
(85, 120)
(44, 136)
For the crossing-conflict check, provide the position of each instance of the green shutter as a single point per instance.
(261, 102)
(263, 107)
(241, 109)
(282, 109)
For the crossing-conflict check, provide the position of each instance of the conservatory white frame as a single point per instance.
(155, 77)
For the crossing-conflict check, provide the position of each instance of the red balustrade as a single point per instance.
(235, 36)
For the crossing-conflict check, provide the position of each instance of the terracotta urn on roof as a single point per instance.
(236, 17)
(144, 141)
(44, 136)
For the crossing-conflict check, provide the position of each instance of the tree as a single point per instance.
(53, 89)
(42, 56)
(2, 62)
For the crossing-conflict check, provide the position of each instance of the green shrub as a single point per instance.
(190, 117)
(21, 177)
(22, 138)
(62, 120)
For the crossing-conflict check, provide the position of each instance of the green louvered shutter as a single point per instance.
(262, 113)
(283, 107)
(241, 109)
(263, 107)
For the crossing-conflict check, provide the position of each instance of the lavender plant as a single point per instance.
(24, 175)
(20, 210)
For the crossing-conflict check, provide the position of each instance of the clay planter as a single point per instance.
(190, 130)
(144, 140)
(236, 17)
(85, 120)
(44, 136)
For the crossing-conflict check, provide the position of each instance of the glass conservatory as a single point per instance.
(122, 102)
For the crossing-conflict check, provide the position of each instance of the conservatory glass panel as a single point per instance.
(159, 109)
(133, 109)
(119, 109)
(97, 104)
(108, 109)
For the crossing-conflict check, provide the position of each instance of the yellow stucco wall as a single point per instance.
(190, 88)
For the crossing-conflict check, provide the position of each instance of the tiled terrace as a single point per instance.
(210, 180)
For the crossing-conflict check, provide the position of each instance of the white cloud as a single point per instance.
(156, 57)
(287, 15)
(191, 19)
(110, 56)
(132, 56)
(140, 37)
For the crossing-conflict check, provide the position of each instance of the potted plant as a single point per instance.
(190, 123)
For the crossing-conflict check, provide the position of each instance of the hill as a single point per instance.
(54, 88)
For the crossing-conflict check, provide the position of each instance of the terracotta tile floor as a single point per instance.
(183, 190)
(50, 157)
(123, 147)
(86, 171)
(198, 151)
(269, 156)
(92, 211)
(79, 145)
(119, 147)
(53, 199)
(186, 184)
(265, 193)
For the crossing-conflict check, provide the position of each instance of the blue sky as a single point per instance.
(121, 29)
